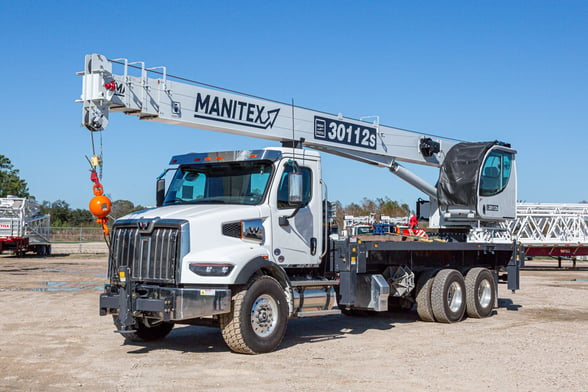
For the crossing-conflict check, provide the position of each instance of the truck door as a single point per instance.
(297, 242)
(498, 185)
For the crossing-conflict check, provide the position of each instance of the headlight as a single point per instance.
(208, 269)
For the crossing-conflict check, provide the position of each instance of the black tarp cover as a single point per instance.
(459, 174)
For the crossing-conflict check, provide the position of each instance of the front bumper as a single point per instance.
(165, 303)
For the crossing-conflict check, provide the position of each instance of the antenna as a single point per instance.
(293, 137)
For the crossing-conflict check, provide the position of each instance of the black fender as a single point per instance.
(261, 264)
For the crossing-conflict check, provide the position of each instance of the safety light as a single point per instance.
(110, 85)
(208, 269)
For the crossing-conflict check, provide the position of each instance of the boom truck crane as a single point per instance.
(240, 239)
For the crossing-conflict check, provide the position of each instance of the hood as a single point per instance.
(222, 212)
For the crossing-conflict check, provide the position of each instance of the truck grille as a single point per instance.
(151, 256)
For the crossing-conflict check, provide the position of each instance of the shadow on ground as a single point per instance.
(507, 304)
(198, 339)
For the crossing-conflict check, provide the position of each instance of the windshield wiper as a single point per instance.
(207, 201)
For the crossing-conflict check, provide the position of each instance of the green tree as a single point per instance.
(122, 208)
(79, 217)
(355, 210)
(60, 212)
(392, 208)
(10, 182)
(369, 206)
(377, 208)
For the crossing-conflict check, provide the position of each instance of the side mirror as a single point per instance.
(295, 187)
(159, 192)
(295, 199)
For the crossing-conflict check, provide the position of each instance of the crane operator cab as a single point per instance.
(477, 183)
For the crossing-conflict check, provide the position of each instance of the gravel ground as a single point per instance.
(54, 340)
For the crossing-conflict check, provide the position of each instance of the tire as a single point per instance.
(423, 296)
(258, 318)
(43, 250)
(448, 296)
(147, 333)
(480, 292)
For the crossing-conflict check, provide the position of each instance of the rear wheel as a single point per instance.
(448, 296)
(480, 292)
(423, 295)
(258, 317)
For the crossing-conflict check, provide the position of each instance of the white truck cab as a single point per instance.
(236, 204)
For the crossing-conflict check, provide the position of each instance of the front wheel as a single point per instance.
(258, 317)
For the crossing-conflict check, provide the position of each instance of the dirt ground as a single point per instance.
(52, 339)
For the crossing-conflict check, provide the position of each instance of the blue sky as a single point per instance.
(473, 70)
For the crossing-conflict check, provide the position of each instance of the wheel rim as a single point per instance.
(264, 315)
(484, 293)
(454, 297)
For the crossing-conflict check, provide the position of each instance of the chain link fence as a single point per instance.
(76, 234)
(88, 240)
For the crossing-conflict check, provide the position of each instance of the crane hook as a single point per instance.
(100, 205)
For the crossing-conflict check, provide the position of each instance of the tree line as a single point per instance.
(62, 215)
(379, 206)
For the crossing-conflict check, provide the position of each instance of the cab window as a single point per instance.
(495, 173)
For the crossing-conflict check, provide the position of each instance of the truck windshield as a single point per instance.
(220, 183)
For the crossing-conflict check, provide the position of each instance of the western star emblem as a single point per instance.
(143, 225)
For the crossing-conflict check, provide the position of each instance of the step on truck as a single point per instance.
(23, 228)
(240, 240)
